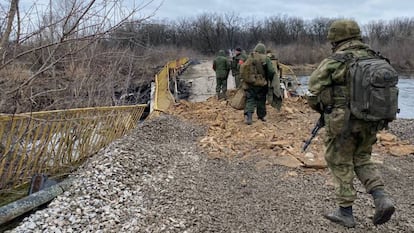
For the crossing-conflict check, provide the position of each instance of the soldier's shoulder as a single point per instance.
(339, 56)
(260, 57)
(328, 64)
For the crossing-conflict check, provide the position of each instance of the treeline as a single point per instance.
(72, 54)
(293, 39)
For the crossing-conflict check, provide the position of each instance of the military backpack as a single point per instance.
(252, 70)
(372, 82)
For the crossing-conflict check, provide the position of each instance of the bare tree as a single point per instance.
(74, 21)
(205, 34)
(50, 39)
(9, 24)
(232, 26)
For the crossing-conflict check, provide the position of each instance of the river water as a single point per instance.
(405, 97)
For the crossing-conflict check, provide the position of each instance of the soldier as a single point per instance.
(256, 91)
(348, 140)
(237, 60)
(275, 91)
(275, 63)
(222, 68)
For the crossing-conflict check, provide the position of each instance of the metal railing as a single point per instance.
(55, 142)
(163, 96)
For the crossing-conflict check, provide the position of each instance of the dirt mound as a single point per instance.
(279, 140)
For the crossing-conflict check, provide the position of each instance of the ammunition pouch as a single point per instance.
(314, 103)
(326, 97)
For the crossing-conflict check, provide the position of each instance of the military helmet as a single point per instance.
(260, 48)
(343, 29)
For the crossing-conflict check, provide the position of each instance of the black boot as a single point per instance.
(262, 119)
(249, 118)
(342, 216)
(384, 208)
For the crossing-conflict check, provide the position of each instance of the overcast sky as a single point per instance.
(361, 10)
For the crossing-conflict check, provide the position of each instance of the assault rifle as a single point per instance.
(318, 126)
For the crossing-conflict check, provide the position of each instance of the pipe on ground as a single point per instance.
(26, 204)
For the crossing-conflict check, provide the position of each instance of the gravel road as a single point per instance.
(161, 181)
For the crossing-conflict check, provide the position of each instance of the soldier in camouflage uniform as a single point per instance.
(348, 140)
(275, 63)
(237, 60)
(256, 95)
(222, 68)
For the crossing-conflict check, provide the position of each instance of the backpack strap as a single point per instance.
(378, 55)
(342, 57)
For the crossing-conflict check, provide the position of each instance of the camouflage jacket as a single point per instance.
(235, 63)
(327, 87)
(221, 65)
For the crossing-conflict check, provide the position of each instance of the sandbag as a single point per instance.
(238, 101)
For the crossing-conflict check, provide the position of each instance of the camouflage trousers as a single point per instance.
(221, 86)
(256, 98)
(350, 156)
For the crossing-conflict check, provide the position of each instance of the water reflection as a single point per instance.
(406, 86)
(405, 96)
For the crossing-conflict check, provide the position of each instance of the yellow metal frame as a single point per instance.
(163, 97)
(56, 142)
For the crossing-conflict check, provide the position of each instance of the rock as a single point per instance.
(286, 160)
(386, 137)
(402, 150)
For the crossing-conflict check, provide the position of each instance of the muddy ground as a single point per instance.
(201, 169)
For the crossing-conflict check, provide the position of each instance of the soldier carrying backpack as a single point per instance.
(355, 90)
(256, 72)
